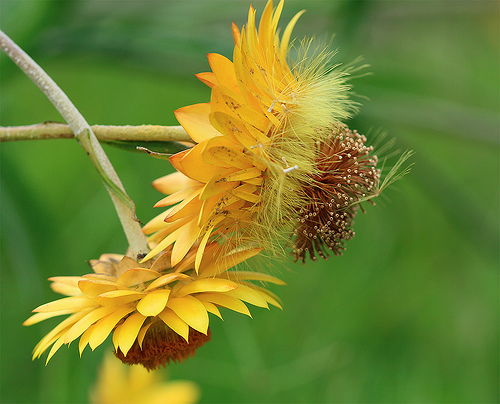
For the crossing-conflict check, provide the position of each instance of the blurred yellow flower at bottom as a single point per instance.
(123, 384)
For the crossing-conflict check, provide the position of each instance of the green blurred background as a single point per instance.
(409, 314)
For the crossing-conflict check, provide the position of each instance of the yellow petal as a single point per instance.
(65, 285)
(287, 33)
(245, 174)
(165, 280)
(270, 297)
(193, 166)
(84, 340)
(55, 347)
(212, 308)
(221, 299)
(142, 334)
(62, 327)
(246, 192)
(172, 183)
(80, 326)
(207, 285)
(119, 297)
(215, 267)
(194, 119)
(104, 326)
(125, 264)
(175, 323)
(254, 276)
(94, 287)
(154, 302)
(170, 239)
(190, 310)
(129, 331)
(136, 276)
(208, 78)
(218, 184)
(248, 295)
(201, 248)
(225, 100)
(175, 197)
(36, 318)
(223, 69)
(66, 303)
(233, 127)
(185, 241)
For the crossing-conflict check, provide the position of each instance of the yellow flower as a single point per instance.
(156, 313)
(256, 143)
(119, 384)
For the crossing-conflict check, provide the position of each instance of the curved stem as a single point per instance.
(85, 136)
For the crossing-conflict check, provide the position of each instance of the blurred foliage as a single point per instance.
(408, 314)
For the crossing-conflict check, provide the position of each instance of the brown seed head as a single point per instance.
(344, 176)
(162, 345)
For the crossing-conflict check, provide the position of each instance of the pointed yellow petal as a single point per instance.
(201, 248)
(172, 183)
(142, 334)
(194, 119)
(175, 323)
(94, 287)
(217, 185)
(212, 308)
(163, 244)
(214, 267)
(84, 340)
(175, 197)
(270, 297)
(254, 276)
(129, 331)
(119, 297)
(190, 310)
(104, 326)
(223, 300)
(136, 276)
(36, 318)
(208, 78)
(223, 69)
(185, 241)
(287, 33)
(248, 295)
(245, 174)
(62, 327)
(207, 285)
(65, 285)
(80, 326)
(66, 303)
(165, 280)
(55, 347)
(153, 303)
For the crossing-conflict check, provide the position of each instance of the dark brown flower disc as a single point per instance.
(344, 175)
(162, 345)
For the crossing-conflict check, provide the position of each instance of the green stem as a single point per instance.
(106, 133)
(85, 136)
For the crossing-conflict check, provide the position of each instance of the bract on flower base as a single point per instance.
(156, 312)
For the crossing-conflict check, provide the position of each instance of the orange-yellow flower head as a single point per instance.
(157, 313)
(256, 143)
(119, 384)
